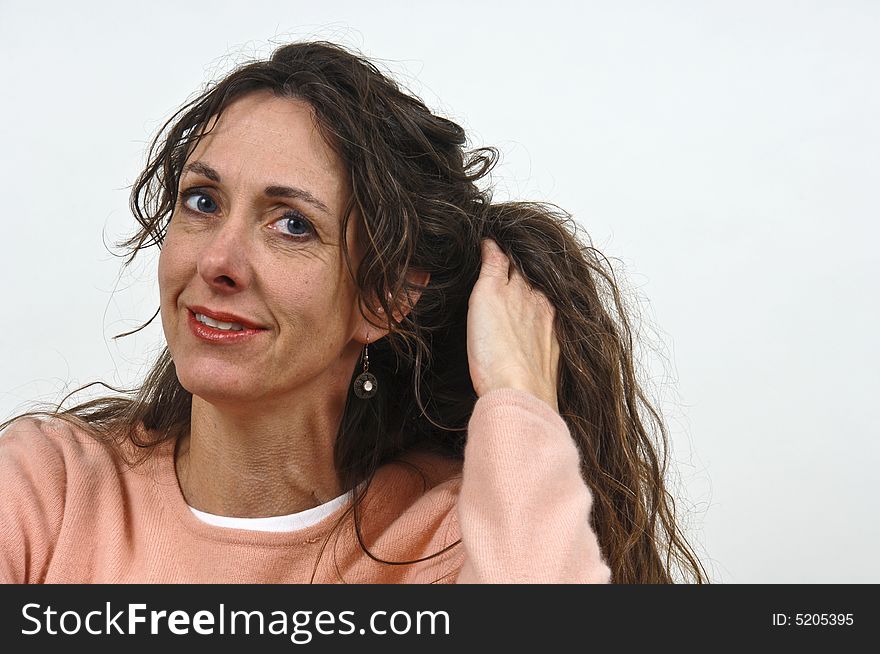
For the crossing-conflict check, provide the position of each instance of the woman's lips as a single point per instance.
(222, 316)
(208, 333)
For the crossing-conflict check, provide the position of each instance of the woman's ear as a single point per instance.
(417, 278)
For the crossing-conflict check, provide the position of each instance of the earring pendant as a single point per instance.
(365, 384)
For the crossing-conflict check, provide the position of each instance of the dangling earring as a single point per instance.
(365, 384)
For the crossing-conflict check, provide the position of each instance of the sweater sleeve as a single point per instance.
(524, 508)
(32, 489)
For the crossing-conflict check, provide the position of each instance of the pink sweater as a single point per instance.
(72, 512)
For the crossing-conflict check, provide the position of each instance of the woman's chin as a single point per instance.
(219, 388)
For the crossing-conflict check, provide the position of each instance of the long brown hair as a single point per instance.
(415, 186)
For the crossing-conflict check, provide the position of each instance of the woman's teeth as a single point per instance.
(216, 324)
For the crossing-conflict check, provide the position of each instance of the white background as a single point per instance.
(725, 154)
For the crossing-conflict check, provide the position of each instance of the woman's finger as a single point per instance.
(516, 277)
(495, 263)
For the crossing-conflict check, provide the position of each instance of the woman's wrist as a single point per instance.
(543, 394)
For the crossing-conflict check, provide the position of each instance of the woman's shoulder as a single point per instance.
(50, 468)
(410, 506)
(415, 480)
(41, 447)
(425, 471)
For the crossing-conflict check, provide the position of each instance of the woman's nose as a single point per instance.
(224, 261)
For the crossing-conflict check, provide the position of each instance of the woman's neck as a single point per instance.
(263, 463)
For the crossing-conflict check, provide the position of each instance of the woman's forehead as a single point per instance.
(264, 133)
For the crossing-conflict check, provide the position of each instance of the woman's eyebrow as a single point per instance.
(272, 191)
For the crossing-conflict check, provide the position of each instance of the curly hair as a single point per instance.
(415, 186)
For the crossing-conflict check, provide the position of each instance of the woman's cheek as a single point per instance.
(172, 267)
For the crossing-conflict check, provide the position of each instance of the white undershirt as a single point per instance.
(291, 522)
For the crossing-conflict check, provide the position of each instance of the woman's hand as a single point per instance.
(510, 338)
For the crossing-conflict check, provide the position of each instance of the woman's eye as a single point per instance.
(199, 202)
(293, 224)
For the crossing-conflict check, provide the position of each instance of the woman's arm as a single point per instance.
(523, 508)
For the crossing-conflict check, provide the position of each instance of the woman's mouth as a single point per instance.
(216, 324)
(218, 331)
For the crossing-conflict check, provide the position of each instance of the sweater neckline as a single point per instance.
(283, 523)
(173, 500)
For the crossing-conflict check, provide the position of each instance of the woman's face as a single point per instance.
(256, 233)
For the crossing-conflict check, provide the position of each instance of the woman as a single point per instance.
(373, 373)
